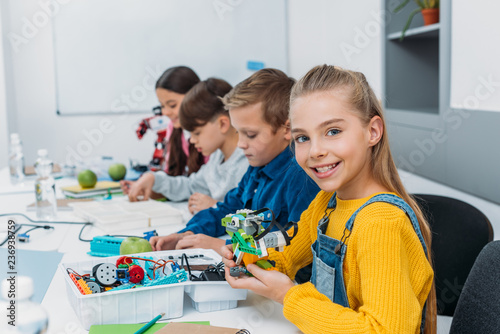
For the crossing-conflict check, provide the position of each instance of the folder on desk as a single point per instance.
(181, 328)
(132, 328)
(101, 188)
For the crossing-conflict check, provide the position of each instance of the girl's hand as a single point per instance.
(198, 202)
(268, 283)
(200, 241)
(226, 252)
(142, 187)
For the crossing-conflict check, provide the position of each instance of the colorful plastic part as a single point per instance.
(175, 277)
(265, 264)
(123, 287)
(146, 265)
(250, 240)
(124, 260)
(136, 274)
(81, 285)
(149, 234)
(105, 246)
(85, 290)
(237, 239)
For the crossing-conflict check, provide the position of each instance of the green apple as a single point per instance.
(132, 245)
(87, 178)
(117, 171)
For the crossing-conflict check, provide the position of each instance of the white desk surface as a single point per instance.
(257, 314)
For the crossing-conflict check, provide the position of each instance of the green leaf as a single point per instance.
(410, 18)
(401, 6)
(421, 4)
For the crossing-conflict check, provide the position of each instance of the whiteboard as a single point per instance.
(475, 53)
(109, 53)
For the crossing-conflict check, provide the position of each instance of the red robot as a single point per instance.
(157, 123)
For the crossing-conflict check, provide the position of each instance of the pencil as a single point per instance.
(149, 324)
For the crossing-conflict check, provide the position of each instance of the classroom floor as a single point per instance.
(417, 184)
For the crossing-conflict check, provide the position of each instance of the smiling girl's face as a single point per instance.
(170, 104)
(334, 146)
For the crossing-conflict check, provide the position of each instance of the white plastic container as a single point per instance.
(214, 296)
(143, 304)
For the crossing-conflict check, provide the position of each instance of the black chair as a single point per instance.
(459, 233)
(478, 308)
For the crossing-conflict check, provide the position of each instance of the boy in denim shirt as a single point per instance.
(258, 107)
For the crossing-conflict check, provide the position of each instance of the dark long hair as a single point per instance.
(203, 103)
(180, 79)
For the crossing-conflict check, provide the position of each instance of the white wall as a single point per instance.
(32, 80)
(4, 134)
(343, 33)
(320, 31)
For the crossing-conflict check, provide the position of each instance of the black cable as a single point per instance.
(45, 227)
(184, 256)
(41, 221)
(80, 234)
(274, 223)
(14, 233)
(218, 269)
(19, 226)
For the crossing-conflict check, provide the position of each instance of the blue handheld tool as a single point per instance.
(149, 324)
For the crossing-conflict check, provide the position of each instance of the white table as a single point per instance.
(257, 314)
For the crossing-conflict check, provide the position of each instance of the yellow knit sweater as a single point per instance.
(386, 272)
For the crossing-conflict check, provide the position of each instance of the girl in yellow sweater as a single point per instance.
(367, 239)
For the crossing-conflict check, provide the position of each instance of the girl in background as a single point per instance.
(366, 237)
(203, 115)
(181, 157)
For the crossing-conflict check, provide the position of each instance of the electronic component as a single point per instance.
(94, 287)
(104, 274)
(149, 234)
(136, 274)
(130, 272)
(251, 240)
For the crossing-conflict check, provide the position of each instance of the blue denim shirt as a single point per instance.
(281, 185)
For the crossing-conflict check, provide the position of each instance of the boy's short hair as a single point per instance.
(270, 86)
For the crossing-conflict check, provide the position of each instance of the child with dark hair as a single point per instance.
(171, 88)
(181, 157)
(203, 115)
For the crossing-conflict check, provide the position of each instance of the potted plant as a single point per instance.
(429, 9)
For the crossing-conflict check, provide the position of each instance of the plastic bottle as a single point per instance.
(28, 316)
(45, 188)
(16, 159)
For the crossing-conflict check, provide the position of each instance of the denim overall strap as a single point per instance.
(397, 201)
(400, 203)
(327, 274)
